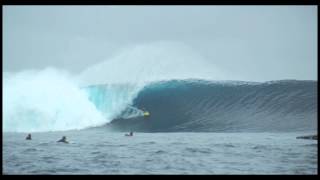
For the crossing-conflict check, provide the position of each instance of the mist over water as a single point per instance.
(149, 62)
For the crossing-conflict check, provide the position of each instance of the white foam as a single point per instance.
(47, 100)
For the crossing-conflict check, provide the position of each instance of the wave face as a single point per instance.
(204, 106)
(114, 100)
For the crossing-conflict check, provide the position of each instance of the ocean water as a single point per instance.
(98, 151)
(195, 126)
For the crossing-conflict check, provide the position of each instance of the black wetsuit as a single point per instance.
(28, 137)
(63, 140)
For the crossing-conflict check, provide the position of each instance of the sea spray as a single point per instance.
(151, 62)
(46, 100)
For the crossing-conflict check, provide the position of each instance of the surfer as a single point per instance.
(145, 113)
(63, 139)
(28, 137)
(313, 137)
(130, 134)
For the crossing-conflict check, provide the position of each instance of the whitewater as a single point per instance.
(204, 119)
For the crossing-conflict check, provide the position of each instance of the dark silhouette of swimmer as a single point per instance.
(130, 134)
(63, 139)
(28, 137)
(313, 137)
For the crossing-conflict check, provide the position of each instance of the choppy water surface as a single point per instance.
(98, 152)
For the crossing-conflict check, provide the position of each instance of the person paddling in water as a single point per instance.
(130, 134)
(63, 139)
(28, 137)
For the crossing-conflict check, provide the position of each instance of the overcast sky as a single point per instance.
(259, 42)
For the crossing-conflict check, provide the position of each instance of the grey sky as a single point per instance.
(258, 42)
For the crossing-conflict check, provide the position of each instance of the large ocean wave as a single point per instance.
(176, 105)
(229, 106)
(155, 76)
